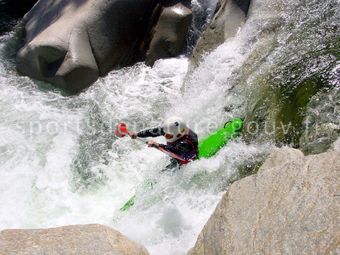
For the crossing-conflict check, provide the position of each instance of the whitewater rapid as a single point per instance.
(61, 163)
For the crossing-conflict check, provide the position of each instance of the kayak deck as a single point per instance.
(211, 144)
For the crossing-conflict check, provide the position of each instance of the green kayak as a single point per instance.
(208, 146)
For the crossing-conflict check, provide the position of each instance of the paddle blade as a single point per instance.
(121, 130)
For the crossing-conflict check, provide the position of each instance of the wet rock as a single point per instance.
(291, 99)
(170, 32)
(72, 43)
(289, 207)
(230, 15)
(68, 240)
(322, 123)
(278, 112)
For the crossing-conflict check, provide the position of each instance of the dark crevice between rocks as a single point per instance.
(145, 44)
(11, 11)
(137, 41)
(243, 5)
(134, 53)
(168, 3)
(163, 43)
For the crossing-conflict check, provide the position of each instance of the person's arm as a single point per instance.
(162, 147)
(178, 149)
(153, 132)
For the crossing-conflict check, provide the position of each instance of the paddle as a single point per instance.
(122, 130)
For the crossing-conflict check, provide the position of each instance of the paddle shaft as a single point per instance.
(122, 130)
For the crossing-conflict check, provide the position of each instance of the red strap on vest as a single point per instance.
(181, 160)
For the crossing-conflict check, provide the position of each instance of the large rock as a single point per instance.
(170, 32)
(286, 96)
(71, 43)
(291, 206)
(230, 16)
(70, 240)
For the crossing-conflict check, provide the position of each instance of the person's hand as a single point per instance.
(133, 135)
(153, 144)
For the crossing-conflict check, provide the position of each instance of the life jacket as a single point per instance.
(190, 155)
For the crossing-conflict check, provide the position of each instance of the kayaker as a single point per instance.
(182, 142)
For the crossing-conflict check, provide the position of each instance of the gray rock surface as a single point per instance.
(291, 206)
(68, 240)
(229, 17)
(170, 32)
(71, 43)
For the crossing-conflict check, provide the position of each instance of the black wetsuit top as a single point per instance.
(186, 147)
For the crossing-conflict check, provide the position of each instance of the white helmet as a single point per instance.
(174, 128)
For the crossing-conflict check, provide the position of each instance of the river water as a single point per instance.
(61, 163)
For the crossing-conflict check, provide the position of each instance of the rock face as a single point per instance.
(71, 43)
(291, 206)
(230, 15)
(170, 33)
(284, 110)
(70, 240)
